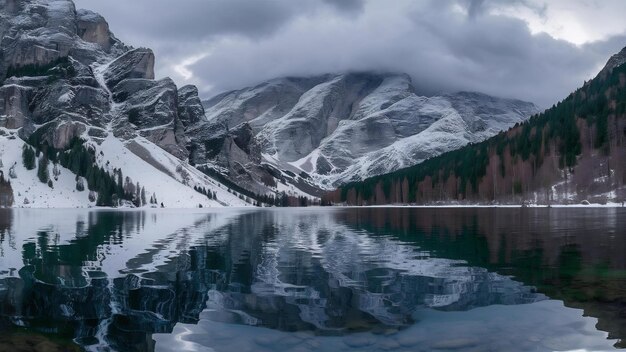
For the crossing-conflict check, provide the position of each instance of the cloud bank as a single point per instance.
(526, 49)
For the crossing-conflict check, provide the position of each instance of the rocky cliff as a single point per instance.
(64, 75)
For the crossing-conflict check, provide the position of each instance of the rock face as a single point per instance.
(63, 69)
(615, 61)
(150, 108)
(137, 63)
(14, 105)
(93, 28)
(331, 129)
(190, 109)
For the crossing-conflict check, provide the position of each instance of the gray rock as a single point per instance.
(66, 45)
(190, 109)
(136, 63)
(60, 132)
(93, 28)
(151, 107)
(81, 103)
(147, 103)
(615, 61)
(14, 100)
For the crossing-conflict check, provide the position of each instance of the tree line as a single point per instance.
(56, 69)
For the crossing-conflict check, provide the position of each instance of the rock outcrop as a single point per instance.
(61, 67)
(137, 63)
(93, 28)
(191, 110)
(614, 61)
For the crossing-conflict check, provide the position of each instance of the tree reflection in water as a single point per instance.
(120, 277)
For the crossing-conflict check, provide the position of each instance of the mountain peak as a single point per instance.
(615, 61)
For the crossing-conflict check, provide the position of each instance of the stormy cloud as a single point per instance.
(527, 49)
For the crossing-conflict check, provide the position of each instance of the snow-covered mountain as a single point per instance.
(64, 76)
(327, 130)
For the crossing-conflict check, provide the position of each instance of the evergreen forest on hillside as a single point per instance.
(572, 151)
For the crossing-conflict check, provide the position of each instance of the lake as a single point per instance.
(318, 279)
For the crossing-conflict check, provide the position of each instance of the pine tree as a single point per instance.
(137, 195)
(143, 196)
(28, 157)
(42, 171)
(120, 184)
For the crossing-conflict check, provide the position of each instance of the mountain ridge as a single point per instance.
(574, 152)
(300, 124)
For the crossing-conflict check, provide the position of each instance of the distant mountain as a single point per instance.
(573, 152)
(320, 132)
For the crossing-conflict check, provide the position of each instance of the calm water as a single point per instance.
(313, 280)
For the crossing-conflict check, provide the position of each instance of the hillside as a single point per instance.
(573, 152)
(316, 133)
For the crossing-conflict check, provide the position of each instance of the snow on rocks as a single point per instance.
(28, 191)
(162, 174)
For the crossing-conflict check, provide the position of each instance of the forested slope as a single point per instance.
(574, 151)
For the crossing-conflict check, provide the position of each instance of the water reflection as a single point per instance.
(110, 279)
(574, 255)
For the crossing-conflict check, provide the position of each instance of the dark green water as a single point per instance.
(376, 279)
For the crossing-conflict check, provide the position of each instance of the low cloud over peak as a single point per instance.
(526, 49)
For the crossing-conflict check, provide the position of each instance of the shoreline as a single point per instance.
(609, 205)
(451, 206)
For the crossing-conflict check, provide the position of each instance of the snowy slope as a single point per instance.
(161, 173)
(163, 180)
(28, 189)
(166, 178)
(344, 127)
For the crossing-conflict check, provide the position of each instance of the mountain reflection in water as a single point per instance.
(114, 279)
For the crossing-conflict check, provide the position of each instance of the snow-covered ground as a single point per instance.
(171, 180)
(28, 191)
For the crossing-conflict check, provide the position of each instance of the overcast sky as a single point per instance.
(535, 50)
